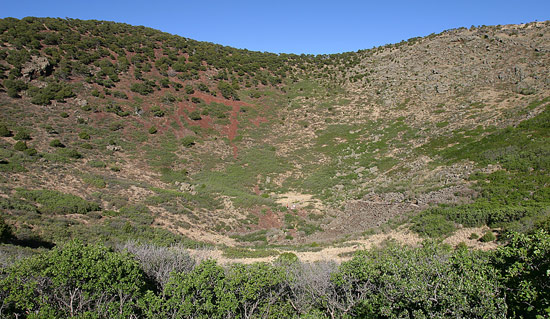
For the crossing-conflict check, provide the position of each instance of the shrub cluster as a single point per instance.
(144, 281)
(54, 202)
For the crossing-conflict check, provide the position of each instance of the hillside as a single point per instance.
(112, 133)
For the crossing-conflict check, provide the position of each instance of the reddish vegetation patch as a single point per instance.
(257, 121)
(268, 220)
(234, 125)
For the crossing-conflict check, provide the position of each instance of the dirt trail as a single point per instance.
(344, 251)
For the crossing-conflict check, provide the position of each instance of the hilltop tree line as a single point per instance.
(101, 52)
(144, 281)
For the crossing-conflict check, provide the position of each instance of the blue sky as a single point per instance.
(313, 27)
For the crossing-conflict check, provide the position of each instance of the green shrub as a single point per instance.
(488, 237)
(54, 202)
(195, 115)
(188, 141)
(56, 143)
(152, 130)
(20, 146)
(116, 126)
(433, 225)
(189, 89)
(72, 153)
(156, 110)
(4, 131)
(97, 164)
(64, 115)
(84, 135)
(196, 100)
(31, 151)
(524, 265)
(22, 135)
(398, 281)
(6, 231)
(76, 280)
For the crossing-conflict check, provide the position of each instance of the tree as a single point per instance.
(77, 280)
(6, 230)
(525, 267)
(427, 282)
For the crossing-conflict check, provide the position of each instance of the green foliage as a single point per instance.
(97, 164)
(488, 237)
(524, 264)
(86, 281)
(22, 135)
(156, 110)
(515, 197)
(112, 107)
(426, 282)
(195, 115)
(433, 225)
(6, 231)
(258, 236)
(189, 89)
(56, 143)
(53, 91)
(84, 135)
(152, 130)
(54, 202)
(227, 90)
(20, 146)
(188, 141)
(4, 131)
(142, 88)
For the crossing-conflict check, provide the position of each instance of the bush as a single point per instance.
(54, 202)
(84, 135)
(64, 115)
(20, 146)
(6, 231)
(487, 237)
(188, 141)
(4, 131)
(97, 164)
(156, 110)
(31, 151)
(84, 281)
(56, 143)
(152, 130)
(433, 225)
(116, 126)
(195, 115)
(524, 264)
(398, 282)
(73, 154)
(189, 89)
(196, 100)
(22, 135)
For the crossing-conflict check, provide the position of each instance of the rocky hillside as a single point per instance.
(115, 132)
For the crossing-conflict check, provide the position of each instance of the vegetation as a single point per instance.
(54, 202)
(152, 282)
(509, 198)
(144, 136)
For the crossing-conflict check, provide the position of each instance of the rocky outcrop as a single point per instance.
(37, 66)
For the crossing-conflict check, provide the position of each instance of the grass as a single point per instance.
(238, 179)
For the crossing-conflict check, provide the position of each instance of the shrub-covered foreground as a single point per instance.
(92, 281)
